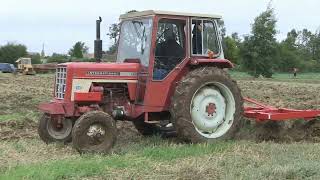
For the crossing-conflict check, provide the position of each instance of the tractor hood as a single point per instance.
(103, 70)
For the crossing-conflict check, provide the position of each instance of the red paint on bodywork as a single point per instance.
(132, 91)
(88, 97)
(52, 108)
(80, 70)
(58, 107)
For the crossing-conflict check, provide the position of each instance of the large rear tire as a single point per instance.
(94, 132)
(207, 106)
(50, 133)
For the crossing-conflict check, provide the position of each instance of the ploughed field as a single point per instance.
(274, 151)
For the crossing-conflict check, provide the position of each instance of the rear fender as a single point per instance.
(220, 63)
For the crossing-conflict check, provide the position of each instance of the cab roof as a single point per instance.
(153, 12)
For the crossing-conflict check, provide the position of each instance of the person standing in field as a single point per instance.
(295, 70)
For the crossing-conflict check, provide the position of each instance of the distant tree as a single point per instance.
(112, 49)
(315, 46)
(259, 49)
(10, 52)
(78, 50)
(227, 44)
(308, 44)
(288, 54)
(114, 31)
(236, 38)
(231, 49)
(230, 44)
(58, 58)
(35, 58)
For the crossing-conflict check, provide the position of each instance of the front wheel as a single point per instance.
(49, 131)
(94, 132)
(207, 106)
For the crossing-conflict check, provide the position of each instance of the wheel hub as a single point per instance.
(211, 109)
(208, 109)
(59, 131)
(96, 131)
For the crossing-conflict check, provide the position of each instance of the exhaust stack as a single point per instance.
(98, 42)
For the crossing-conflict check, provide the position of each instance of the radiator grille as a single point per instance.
(61, 77)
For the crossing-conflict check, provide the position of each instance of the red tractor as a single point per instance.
(169, 74)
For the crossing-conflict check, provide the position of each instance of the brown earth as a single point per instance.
(20, 95)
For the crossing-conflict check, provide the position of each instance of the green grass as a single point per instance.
(71, 168)
(176, 151)
(19, 116)
(10, 117)
(224, 160)
(92, 165)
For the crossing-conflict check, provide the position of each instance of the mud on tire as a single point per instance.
(182, 100)
(49, 134)
(94, 132)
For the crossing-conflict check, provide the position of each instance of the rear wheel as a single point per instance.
(94, 132)
(207, 106)
(49, 131)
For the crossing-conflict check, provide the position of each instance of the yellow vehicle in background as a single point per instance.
(25, 66)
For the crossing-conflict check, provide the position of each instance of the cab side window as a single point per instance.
(170, 47)
(204, 37)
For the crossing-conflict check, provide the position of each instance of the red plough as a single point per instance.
(262, 112)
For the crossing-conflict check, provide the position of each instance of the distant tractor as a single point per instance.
(7, 68)
(168, 77)
(25, 66)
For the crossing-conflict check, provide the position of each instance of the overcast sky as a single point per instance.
(60, 23)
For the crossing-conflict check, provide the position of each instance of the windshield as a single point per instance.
(135, 40)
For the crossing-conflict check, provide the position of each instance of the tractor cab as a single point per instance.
(164, 43)
(162, 40)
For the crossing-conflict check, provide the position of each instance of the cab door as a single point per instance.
(168, 60)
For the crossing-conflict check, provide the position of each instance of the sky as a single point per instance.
(58, 24)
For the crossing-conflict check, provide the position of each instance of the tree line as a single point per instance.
(11, 52)
(259, 53)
